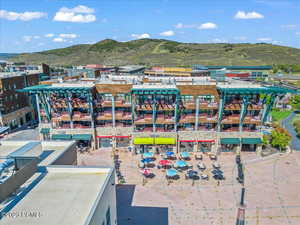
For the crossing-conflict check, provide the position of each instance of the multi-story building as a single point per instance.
(177, 72)
(158, 113)
(15, 107)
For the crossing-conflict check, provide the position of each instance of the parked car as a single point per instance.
(201, 166)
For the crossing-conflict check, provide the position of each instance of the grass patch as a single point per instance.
(280, 115)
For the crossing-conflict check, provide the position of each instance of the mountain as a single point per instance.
(6, 56)
(164, 52)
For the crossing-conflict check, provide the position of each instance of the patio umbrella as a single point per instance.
(171, 172)
(147, 160)
(185, 154)
(145, 172)
(148, 155)
(180, 164)
(169, 154)
(164, 162)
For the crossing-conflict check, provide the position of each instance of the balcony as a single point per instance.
(160, 129)
(189, 118)
(123, 104)
(144, 108)
(204, 118)
(147, 119)
(120, 115)
(144, 129)
(231, 129)
(107, 115)
(119, 124)
(77, 116)
(59, 104)
(252, 120)
(233, 119)
(189, 105)
(106, 103)
(80, 126)
(233, 106)
(161, 119)
(209, 105)
(80, 105)
(255, 107)
(165, 107)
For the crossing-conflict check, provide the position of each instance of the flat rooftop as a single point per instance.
(65, 195)
(48, 151)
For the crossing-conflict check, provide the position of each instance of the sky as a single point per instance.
(37, 25)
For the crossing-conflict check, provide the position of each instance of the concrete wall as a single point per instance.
(19, 178)
(106, 199)
(68, 157)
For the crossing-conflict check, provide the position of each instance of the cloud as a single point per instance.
(49, 35)
(207, 26)
(265, 39)
(167, 33)
(78, 14)
(68, 35)
(181, 25)
(248, 15)
(140, 36)
(27, 38)
(25, 16)
(58, 39)
(218, 40)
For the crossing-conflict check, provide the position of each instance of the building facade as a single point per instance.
(16, 107)
(158, 114)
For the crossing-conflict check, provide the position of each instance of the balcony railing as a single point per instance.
(233, 119)
(81, 116)
(209, 105)
(122, 104)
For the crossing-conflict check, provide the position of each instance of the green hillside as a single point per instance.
(164, 52)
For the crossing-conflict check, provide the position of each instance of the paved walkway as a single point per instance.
(272, 195)
(286, 123)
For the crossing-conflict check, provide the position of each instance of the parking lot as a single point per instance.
(272, 195)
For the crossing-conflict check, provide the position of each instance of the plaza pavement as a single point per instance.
(272, 192)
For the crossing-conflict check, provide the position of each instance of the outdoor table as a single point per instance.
(145, 172)
(171, 172)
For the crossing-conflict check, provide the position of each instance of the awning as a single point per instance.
(61, 137)
(82, 137)
(164, 141)
(209, 141)
(227, 141)
(122, 136)
(143, 141)
(251, 141)
(107, 136)
(45, 131)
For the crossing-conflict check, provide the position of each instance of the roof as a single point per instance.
(64, 195)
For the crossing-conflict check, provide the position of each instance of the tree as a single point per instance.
(295, 102)
(280, 138)
(265, 141)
